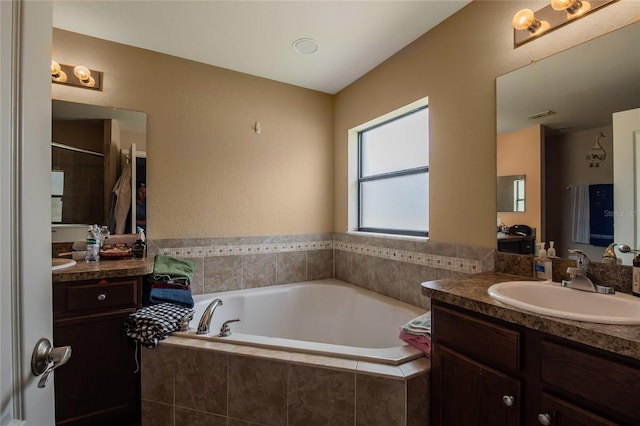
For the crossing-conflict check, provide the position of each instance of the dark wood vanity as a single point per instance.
(493, 365)
(519, 244)
(100, 384)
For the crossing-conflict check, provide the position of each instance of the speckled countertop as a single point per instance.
(470, 292)
(104, 269)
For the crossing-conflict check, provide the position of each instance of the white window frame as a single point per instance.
(353, 172)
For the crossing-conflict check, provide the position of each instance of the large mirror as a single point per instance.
(555, 123)
(98, 156)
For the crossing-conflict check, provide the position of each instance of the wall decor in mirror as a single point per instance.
(92, 148)
(549, 116)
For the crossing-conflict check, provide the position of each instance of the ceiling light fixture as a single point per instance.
(528, 25)
(541, 114)
(305, 46)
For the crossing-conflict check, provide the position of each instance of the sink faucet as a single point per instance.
(205, 320)
(581, 276)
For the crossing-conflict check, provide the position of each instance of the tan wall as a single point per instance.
(213, 176)
(522, 153)
(209, 174)
(456, 65)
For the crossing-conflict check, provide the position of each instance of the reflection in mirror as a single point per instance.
(90, 148)
(511, 195)
(565, 102)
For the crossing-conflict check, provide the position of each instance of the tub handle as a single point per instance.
(225, 330)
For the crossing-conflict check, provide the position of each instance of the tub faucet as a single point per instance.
(581, 276)
(205, 320)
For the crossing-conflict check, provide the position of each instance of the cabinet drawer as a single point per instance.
(101, 296)
(490, 343)
(581, 377)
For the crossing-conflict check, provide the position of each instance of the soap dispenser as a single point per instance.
(542, 264)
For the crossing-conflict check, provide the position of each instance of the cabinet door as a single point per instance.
(557, 412)
(100, 385)
(465, 392)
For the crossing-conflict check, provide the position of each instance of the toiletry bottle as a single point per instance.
(542, 264)
(552, 250)
(138, 249)
(635, 281)
(93, 246)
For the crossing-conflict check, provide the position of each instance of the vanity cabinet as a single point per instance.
(489, 372)
(100, 384)
(517, 244)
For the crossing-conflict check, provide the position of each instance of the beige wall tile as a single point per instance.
(319, 264)
(379, 401)
(291, 267)
(158, 372)
(258, 390)
(388, 277)
(259, 270)
(157, 414)
(318, 396)
(222, 273)
(201, 380)
(186, 417)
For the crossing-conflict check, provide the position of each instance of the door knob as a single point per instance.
(544, 419)
(508, 400)
(46, 358)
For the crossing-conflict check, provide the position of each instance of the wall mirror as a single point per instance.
(91, 148)
(511, 193)
(563, 103)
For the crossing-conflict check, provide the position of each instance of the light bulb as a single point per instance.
(56, 72)
(570, 6)
(82, 73)
(525, 20)
(55, 68)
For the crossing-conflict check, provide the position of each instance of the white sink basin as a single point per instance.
(554, 300)
(59, 263)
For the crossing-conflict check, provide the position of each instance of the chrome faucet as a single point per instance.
(205, 320)
(581, 276)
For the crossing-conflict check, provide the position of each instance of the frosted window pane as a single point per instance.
(398, 145)
(399, 203)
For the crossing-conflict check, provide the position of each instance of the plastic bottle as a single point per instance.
(635, 281)
(552, 250)
(542, 264)
(93, 246)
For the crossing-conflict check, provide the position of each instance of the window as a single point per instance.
(393, 175)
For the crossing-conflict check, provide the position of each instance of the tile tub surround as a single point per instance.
(191, 382)
(395, 266)
(390, 265)
(235, 263)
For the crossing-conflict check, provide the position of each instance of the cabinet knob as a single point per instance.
(544, 419)
(508, 400)
(102, 297)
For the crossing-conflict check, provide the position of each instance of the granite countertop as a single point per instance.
(104, 269)
(470, 292)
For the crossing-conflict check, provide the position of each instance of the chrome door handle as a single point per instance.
(544, 419)
(508, 400)
(46, 358)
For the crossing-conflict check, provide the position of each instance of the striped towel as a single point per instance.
(151, 324)
(419, 326)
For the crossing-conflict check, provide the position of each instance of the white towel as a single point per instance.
(420, 325)
(580, 232)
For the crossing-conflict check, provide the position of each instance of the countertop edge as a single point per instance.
(83, 271)
(470, 292)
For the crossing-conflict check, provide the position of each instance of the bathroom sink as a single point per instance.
(60, 263)
(556, 301)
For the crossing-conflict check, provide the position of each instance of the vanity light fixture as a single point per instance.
(527, 25)
(78, 76)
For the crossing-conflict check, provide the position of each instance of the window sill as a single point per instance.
(388, 236)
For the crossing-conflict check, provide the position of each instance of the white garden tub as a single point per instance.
(326, 317)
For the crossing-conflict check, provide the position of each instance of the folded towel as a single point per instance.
(151, 324)
(422, 343)
(171, 270)
(179, 295)
(420, 325)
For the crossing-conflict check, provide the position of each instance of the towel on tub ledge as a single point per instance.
(171, 270)
(420, 325)
(165, 293)
(417, 333)
(151, 324)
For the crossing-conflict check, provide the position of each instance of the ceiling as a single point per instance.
(256, 37)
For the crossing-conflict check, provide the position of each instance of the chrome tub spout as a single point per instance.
(205, 320)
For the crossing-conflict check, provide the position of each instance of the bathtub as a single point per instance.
(325, 317)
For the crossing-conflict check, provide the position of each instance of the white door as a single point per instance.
(25, 212)
(626, 180)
